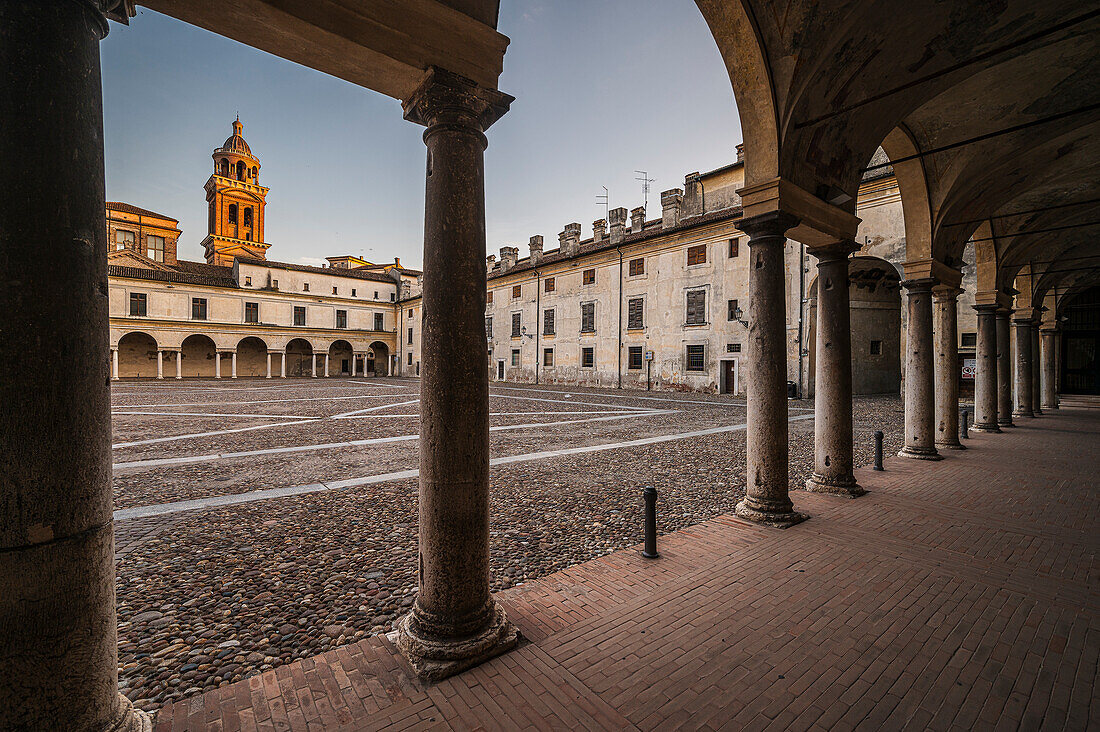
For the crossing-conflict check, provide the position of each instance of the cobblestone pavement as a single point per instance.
(209, 594)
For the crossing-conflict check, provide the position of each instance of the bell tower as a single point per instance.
(236, 203)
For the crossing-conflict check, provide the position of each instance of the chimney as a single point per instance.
(693, 196)
(397, 262)
(536, 248)
(569, 239)
(670, 207)
(618, 223)
(741, 153)
(508, 258)
(637, 219)
(599, 230)
(490, 262)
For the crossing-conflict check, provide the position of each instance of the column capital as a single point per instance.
(445, 98)
(988, 308)
(933, 269)
(833, 252)
(945, 293)
(921, 284)
(773, 223)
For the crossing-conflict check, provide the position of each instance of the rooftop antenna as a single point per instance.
(604, 199)
(645, 180)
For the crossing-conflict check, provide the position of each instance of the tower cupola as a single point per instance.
(236, 201)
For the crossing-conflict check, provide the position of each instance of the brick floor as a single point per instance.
(959, 594)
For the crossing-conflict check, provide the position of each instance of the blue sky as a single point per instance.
(602, 87)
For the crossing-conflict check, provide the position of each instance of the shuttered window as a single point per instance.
(695, 360)
(488, 297)
(548, 357)
(517, 290)
(489, 328)
(548, 322)
(634, 357)
(697, 254)
(588, 277)
(637, 267)
(635, 317)
(515, 357)
(549, 284)
(516, 325)
(734, 248)
(588, 317)
(696, 307)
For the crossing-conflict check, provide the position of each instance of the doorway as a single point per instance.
(500, 370)
(728, 377)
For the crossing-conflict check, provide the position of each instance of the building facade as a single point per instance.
(238, 314)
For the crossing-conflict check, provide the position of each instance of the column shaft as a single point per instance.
(833, 461)
(1023, 369)
(58, 643)
(920, 380)
(282, 365)
(1036, 371)
(455, 623)
(985, 376)
(1049, 341)
(160, 364)
(1004, 370)
(269, 364)
(354, 364)
(326, 364)
(313, 365)
(233, 362)
(217, 364)
(767, 499)
(179, 364)
(945, 300)
(114, 364)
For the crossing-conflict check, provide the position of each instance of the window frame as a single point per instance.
(201, 304)
(693, 252)
(641, 269)
(517, 291)
(489, 327)
(592, 315)
(343, 313)
(734, 249)
(142, 300)
(631, 352)
(688, 294)
(379, 322)
(255, 308)
(700, 353)
(731, 309)
(154, 253)
(517, 325)
(515, 358)
(590, 353)
(549, 325)
(548, 353)
(588, 276)
(549, 285)
(630, 325)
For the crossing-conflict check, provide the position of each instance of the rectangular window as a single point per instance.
(696, 307)
(299, 315)
(517, 290)
(969, 340)
(410, 336)
(154, 246)
(635, 313)
(124, 239)
(731, 310)
(305, 287)
(379, 321)
(588, 358)
(515, 357)
(247, 281)
(876, 348)
(695, 358)
(410, 314)
(138, 304)
(274, 284)
(697, 254)
(637, 267)
(376, 294)
(733, 348)
(549, 287)
(588, 317)
(393, 298)
(734, 247)
(353, 292)
(334, 292)
(489, 327)
(516, 324)
(548, 358)
(198, 308)
(634, 357)
(548, 322)
(489, 297)
(252, 312)
(410, 358)
(588, 277)
(341, 318)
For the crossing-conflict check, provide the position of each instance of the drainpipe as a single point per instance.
(538, 321)
(620, 365)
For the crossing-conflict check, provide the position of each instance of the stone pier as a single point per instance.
(1004, 370)
(920, 385)
(985, 376)
(945, 301)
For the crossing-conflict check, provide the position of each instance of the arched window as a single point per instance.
(232, 213)
(248, 216)
(225, 167)
(255, 171)
(240, 170)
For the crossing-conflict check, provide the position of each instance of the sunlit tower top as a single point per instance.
(236, 201)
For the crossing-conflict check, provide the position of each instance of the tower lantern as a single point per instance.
(236, 203)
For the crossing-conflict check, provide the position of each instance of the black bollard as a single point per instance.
(878, 450)
(964, 424)
(650, 496)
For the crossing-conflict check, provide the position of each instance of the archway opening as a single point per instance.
(1080, 318)
(299, 358)
(198, 353)
(137, 356)
(340, 357)
(251, 357)
(378, 359)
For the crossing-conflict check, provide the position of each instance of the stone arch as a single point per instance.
(299, 357)
(137, 355)
(913, 187)
(340, 356)
(381, 360)
(251, 357)
(874, 291)
(198, 352)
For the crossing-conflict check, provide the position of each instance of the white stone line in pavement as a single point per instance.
(501, 414)
(154, 462)
(174, 438)
(402, 385)
(632, 396)
(161, 509)
(126, 412)
(568, 401)
(266, 401)
(345, 415)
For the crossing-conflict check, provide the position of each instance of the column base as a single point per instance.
(1017, 415)
(920, 453)
(781, 517)
(129, 719)
(846, 488)
(435, 659)
(1036, 412)
(990, 428)
(950, 446)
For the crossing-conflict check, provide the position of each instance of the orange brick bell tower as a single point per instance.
(236, 200)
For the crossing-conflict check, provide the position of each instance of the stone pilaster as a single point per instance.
(985, 377)
(920, 384)
(767, 499)
(454, 623)
(833, 461)
(946, 336)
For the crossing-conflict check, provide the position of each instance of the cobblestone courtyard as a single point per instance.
(262, 521)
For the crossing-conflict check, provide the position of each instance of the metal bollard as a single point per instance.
(878, 450)
(964, 424)
(650, 496)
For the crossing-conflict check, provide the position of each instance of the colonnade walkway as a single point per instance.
(955, 594)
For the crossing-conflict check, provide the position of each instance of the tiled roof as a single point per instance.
(182, 277)
(333, 271)
(131, 209)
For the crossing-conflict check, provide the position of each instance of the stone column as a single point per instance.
(454, 623)
(985, 376)
(833, 461)
(179, 364)
(1004, 371)
(920, 379)
(217, 364)
(354, 364)
(1049, 343)
(946, 336)
(233, 362)
(1023, 368)
(160, 362)
(114, 364)
(767, 499)
(282, 365)
(326, 364)
(58, 643)
(268, 364)
(1036, 371)
(313, 364)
